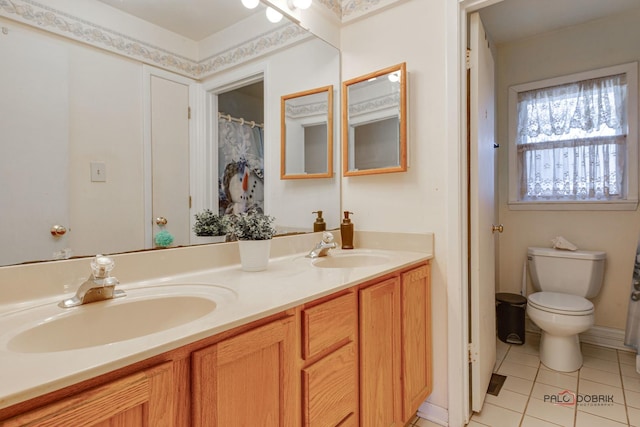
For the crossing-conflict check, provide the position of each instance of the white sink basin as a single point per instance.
(344, 260)
(107, 322)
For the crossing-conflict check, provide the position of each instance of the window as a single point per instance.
(573, 141)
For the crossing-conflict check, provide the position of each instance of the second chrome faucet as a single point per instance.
(322, 247)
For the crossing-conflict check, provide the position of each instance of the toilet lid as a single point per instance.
(556, 302)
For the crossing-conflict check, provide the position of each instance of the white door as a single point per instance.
(34, 136)
(482, 213)
(170, 158)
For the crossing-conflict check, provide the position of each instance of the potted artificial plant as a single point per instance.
(209, 227)
(254, 231)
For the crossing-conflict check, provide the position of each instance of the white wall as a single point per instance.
(593, 45)
(413, 31)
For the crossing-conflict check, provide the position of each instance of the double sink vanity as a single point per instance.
(337, 340)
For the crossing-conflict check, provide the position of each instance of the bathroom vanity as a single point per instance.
(345, 343)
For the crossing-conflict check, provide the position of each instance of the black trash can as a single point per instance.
(510, 309)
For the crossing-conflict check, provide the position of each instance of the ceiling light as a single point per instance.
(250, 4)
(273, 15)
(394, 77)
(302, 4)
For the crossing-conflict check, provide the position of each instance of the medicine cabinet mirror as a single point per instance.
(307, 134)
(374, 122)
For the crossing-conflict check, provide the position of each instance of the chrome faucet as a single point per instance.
(322, 248)
(99, 286)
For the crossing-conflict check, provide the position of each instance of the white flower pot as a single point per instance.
(203, 240)
(254, 254)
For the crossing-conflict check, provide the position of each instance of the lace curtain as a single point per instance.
(571, 140)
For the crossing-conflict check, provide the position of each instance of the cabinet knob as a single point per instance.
(161, 220)
(499, 228)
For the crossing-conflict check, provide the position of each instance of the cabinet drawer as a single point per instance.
(328, 323)
(330, 389)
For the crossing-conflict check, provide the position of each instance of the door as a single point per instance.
(170, 158)
(34, 135)
(481, 213)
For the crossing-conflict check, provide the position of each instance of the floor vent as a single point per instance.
(495, 384)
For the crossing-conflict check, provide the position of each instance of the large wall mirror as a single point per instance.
(306, 130)
(374, 122)
(75, 142)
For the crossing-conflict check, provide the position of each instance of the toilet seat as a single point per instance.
(559, 303)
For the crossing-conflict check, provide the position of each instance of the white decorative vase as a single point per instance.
(203, 240)
(254, 254)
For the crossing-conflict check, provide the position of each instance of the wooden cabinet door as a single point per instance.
(247, 380)
(380, 354)
(144, 399)
(330, 388)
(416, 339)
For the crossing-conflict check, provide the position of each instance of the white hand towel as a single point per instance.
(562, 243)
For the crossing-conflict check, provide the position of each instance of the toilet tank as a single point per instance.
(570, 272)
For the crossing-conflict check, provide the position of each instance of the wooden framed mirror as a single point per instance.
(306, 149)
(374, 122)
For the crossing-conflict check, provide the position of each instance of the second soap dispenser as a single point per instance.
(346, 231)
(319, 224)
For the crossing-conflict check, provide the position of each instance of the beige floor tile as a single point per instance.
(634, 416)
(584, 419)
(627, 357)
(601, 364)
(529, 421)
(561, 415)
(547, 392)
(519, 385)
(632, 398)
(523, 358)
(529, 347)
(613, 412)
(473, 423)
(495, 416)
(631, 383)
(509, 400)
(518, 370)
(599, 352)
(599, 376)
(586, 387)
(629, 370)
(557, 379)
(421, 422)
(571, 374)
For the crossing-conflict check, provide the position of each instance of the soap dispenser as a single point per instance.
(346, 231)
(319, 224)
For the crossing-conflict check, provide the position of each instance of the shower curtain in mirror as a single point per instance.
(240, 167)
(632, 332)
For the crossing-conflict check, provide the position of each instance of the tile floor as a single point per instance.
(607, 375)
(521, 402)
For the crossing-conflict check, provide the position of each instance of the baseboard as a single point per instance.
(605, 337)
(435, 414)
(596, 335)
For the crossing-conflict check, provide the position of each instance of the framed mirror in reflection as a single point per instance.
(306, 149)
(374, 122)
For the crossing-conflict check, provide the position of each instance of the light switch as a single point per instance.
(98, 172)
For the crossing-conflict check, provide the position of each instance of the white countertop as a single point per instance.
(241, 297)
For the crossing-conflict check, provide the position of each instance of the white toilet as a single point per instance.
(564, 280)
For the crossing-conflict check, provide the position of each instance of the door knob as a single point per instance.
(161, 220)
(499, 228)
(58, 230)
